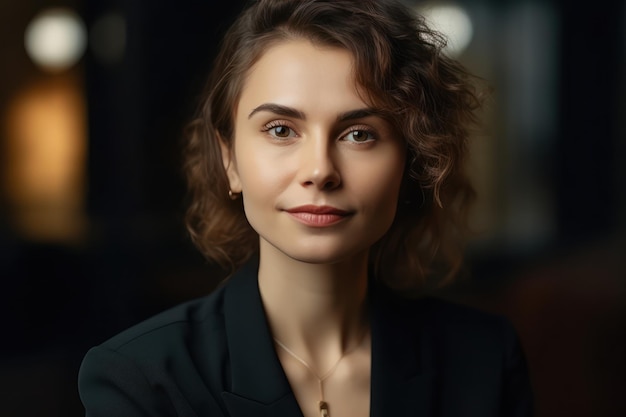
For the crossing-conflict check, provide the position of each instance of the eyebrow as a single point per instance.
(297, 114)
(278, 109)
(360, 114)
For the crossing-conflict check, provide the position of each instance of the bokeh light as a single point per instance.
(45, 149)
(55, 39)
(452, 21)
(107, 38)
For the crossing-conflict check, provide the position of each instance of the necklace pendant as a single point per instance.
(323, 409)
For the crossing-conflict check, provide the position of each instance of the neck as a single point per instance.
(318, 310)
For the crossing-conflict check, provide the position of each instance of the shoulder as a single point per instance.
(465, 341)
(193, 316)
(438, 314)
(166, 365)
(470, 332)
(475, 355)
(183, 333)
(454, 329)
(446, 314)
(481, 352)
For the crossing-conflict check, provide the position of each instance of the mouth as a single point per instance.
(318, 216)
(309, 208)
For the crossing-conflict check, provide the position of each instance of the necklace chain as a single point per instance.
(323, 405)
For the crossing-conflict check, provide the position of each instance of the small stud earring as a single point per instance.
(232, 196)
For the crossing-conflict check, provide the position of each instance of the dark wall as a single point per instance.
(589, 175)
(138, 109)
(59, 299)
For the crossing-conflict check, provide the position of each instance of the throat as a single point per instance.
(344, 388)
(316, 304)
(318, 316)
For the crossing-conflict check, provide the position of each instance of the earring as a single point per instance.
(232, 196)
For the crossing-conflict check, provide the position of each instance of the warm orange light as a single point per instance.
(44, 159)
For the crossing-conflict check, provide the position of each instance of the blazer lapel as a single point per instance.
(259, 384)
(401, 385)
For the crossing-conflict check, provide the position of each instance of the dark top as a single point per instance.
(215, 357)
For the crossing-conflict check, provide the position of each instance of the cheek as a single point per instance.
(263, 165)
(259, 173)
(263, 179)
(379, 182)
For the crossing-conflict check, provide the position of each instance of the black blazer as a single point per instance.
(215, 357)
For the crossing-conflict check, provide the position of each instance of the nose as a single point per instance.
(317, 165)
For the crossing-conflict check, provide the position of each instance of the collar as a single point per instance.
(260, 387)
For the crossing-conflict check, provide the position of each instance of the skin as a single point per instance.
(304, 136)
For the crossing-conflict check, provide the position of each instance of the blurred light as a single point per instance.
(452, 21)
(43, 169)
(55, 39)
(108, 38)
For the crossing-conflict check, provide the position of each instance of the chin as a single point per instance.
(324, 255)
(320, 250)
(316, 259)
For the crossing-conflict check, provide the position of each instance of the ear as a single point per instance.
(230, 165)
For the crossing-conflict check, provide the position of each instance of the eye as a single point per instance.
(359, 135)
(279, 130)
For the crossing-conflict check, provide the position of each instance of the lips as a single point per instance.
(318, 216)
(318, 210)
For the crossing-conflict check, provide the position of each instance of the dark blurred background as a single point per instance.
(92, 196)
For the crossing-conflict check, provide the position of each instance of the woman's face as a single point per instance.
(319, 169)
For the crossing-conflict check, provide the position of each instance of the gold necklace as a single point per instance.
(323, 405)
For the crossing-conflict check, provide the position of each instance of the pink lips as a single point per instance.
(317, 216)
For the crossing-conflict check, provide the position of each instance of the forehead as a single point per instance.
(298, 72)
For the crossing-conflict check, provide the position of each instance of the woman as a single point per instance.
(325, 167)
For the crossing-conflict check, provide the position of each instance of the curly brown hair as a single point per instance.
(400, 67)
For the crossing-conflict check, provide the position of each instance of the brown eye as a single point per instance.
(281, 131)
(359, 136)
